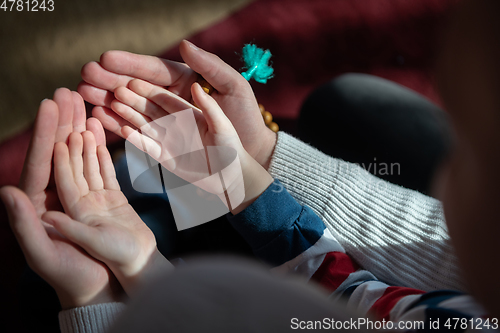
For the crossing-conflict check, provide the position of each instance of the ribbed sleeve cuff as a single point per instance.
(90, 319)
(398, 234)
(303, 170)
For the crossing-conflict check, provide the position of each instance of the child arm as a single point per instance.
(292, 238)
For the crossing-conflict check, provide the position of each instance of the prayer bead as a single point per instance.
(273, 127)
(268, 118)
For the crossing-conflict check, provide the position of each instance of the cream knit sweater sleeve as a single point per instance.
(398, 234)
(90, 319)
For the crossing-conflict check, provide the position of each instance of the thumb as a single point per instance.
(224, 78)
(77, 232)
(217, 121)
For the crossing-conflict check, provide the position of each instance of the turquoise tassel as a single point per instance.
(256, 63)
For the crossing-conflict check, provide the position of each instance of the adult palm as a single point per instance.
(77, 278)
(232, 92)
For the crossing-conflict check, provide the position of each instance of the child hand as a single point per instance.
(100, 219)
(77, 278)
(233, 93)
(167, 139)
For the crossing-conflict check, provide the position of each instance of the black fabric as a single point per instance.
(371, 121)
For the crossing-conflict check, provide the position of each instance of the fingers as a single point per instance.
(107, 169)
(117, 67)
(94, 74)
(91, 162)
(81, 123)
(145, 102)
(94, 95)
(124, 108)
(110, 120)
(54, 123)
(79, 113)
(147, 126)
(220, 75)
(152, 69)
(67, 188)
(217, 121)
(77, 232)
(139, 103)
(38, 163)
(142, 142)
(145, 91)
(95, 126)
(64, 100)
(76, 162)
(82, 167)
(30, 233)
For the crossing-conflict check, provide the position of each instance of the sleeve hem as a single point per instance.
(90, 319)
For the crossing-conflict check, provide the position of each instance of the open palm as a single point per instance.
(77, 278)
(99, 217)
(197, 145)
(232, 92)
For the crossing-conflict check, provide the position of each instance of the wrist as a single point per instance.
(110, 294)
(256, 180)
(132, 277)
(265, 153)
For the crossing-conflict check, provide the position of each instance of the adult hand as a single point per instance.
(55, 121)
(99, 217)
(233, 93)
(196, 145)
(77, 278)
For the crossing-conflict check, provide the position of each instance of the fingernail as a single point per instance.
(43, 100)
(199, 88)
(194, 47)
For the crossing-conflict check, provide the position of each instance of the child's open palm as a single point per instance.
(99, 217)
(202, 154)
(194, 145)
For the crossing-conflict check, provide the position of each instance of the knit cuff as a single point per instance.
(304, 171)
(90, 319)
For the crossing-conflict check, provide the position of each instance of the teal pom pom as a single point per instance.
(256, 63)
